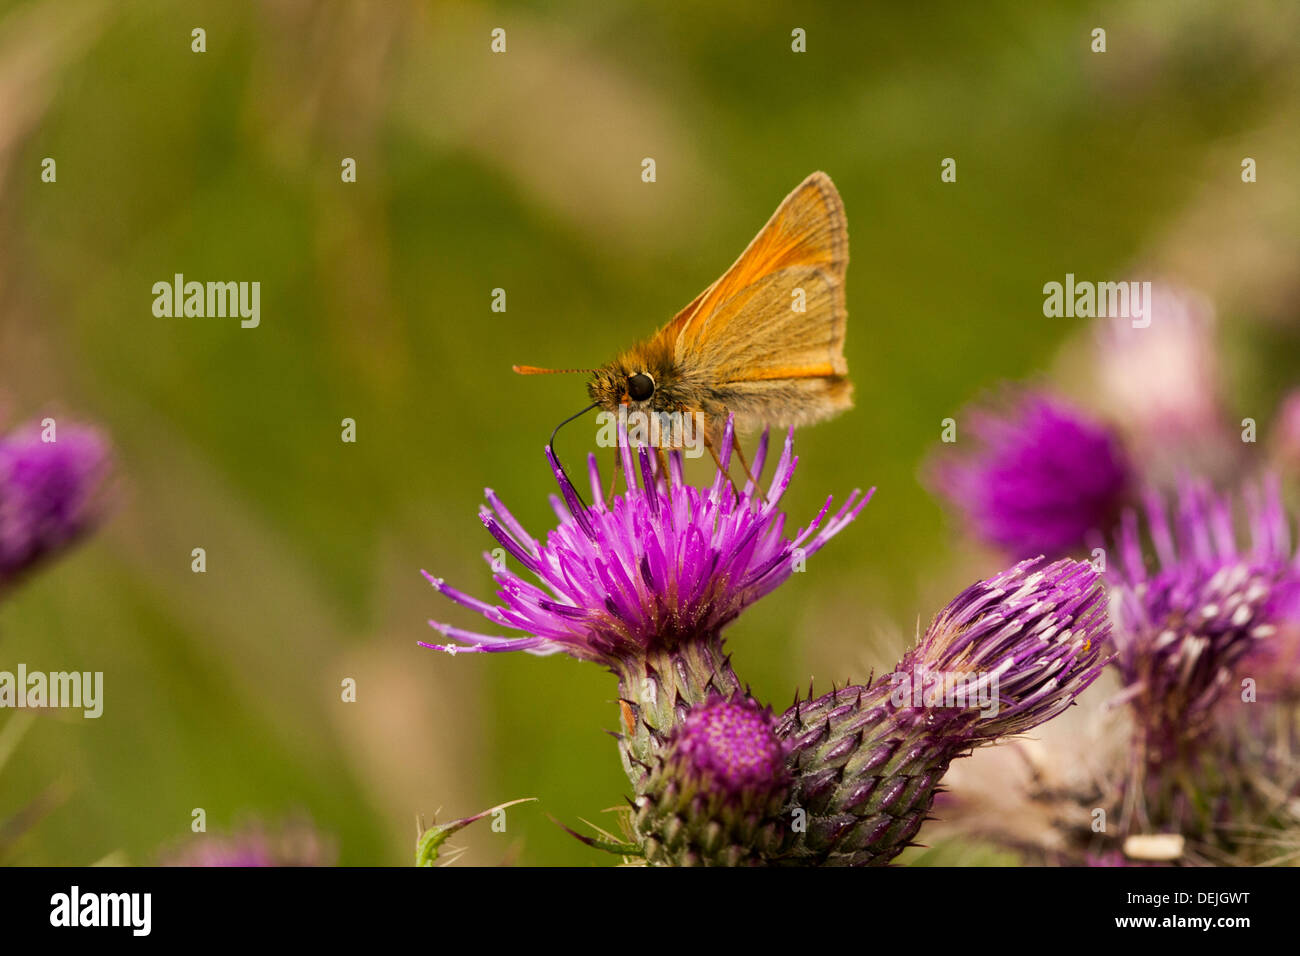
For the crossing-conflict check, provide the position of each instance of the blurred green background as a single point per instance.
(522, 171)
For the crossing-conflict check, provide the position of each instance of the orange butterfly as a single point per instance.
(764, 343)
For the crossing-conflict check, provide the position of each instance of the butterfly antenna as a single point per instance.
(534, 370)
(551, 444)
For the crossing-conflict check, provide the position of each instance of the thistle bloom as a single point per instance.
(49, 493)
(1209, 766)
(1044, 475)
(656, 568)
(254, 845)
(1005, 655)
(1181, 628)
(646, 585)
(716, 791)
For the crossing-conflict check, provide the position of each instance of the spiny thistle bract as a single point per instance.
(430, 844)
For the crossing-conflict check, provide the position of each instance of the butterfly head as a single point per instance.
(636, 384)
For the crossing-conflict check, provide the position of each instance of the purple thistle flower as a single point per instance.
(50, 494)
(716, 791)
(659, 567)
(1005, 655)
(1182, 627)
(1044, 475)
(646, 585)
(254, 845)
(1217, 605)
(1207, 763)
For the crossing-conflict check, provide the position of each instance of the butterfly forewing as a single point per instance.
(769, 334)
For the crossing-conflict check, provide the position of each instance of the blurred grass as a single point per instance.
(523, 172)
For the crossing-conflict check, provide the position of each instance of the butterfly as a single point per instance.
(764, 343)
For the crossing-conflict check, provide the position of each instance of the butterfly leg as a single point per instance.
(663, 467)
(735, 444)
(708, 443)
(613, 479)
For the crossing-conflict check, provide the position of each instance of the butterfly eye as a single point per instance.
(640, 387)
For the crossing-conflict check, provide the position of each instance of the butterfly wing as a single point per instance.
(768, 336)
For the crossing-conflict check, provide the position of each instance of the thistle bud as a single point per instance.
(1006, 655)
(715, 793)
